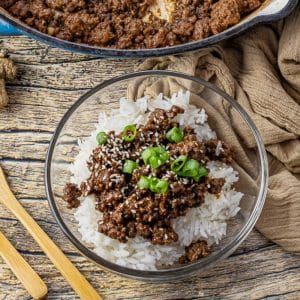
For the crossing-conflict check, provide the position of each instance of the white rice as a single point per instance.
(207, 222)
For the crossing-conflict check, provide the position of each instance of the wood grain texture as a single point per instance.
(49, 80)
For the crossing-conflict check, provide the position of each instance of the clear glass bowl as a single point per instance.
(80, 121)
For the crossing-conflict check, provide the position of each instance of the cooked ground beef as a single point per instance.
(129, 210)
(194, 252)
(120, 23)
(71, 195)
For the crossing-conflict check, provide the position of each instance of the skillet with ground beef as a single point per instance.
(121, 23)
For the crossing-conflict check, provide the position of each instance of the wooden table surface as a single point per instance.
(49, 80)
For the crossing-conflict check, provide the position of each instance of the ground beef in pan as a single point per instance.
(121, 24)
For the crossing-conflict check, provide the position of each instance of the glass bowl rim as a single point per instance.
(182, 271)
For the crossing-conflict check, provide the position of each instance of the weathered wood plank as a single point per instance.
(49, 67)
(23, 49)
(26, 145)
(37, 109)
(69, 75)
(32, 183)
(232, 279)
(39, 96)
(40, 211)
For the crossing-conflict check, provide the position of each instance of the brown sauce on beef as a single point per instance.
(128, 210)
(119, 23)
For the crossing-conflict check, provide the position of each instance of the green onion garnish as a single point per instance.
(154, 162)
(144, 182)
(178, 163)
(147, 153)
(129, 166)
(190, 168)
(158, 185)
(185, 167)
(202, 171)
(175, 135)
(162, 153)
(129, 133)
(101, 138)
(154, 184)
(162, 186)
(155, 156)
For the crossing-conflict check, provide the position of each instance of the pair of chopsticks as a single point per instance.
(31, 281)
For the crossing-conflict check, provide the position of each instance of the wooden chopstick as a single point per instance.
(28, 277)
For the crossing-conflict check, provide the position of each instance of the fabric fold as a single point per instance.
(261, 70)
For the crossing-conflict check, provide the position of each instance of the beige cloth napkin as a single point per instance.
(261, 70)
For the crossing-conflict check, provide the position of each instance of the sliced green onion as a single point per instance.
(129, 133)
(158, 185)
(185, 167)
(202, 172)
(147, 153)
(101, 138)
(178, 163)
(175, 135)
(190, 168)
(153, 182)
(162, 153)
(154, 162)
(162, 186)
(155, 156)
(129, 166)
(143, 182)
